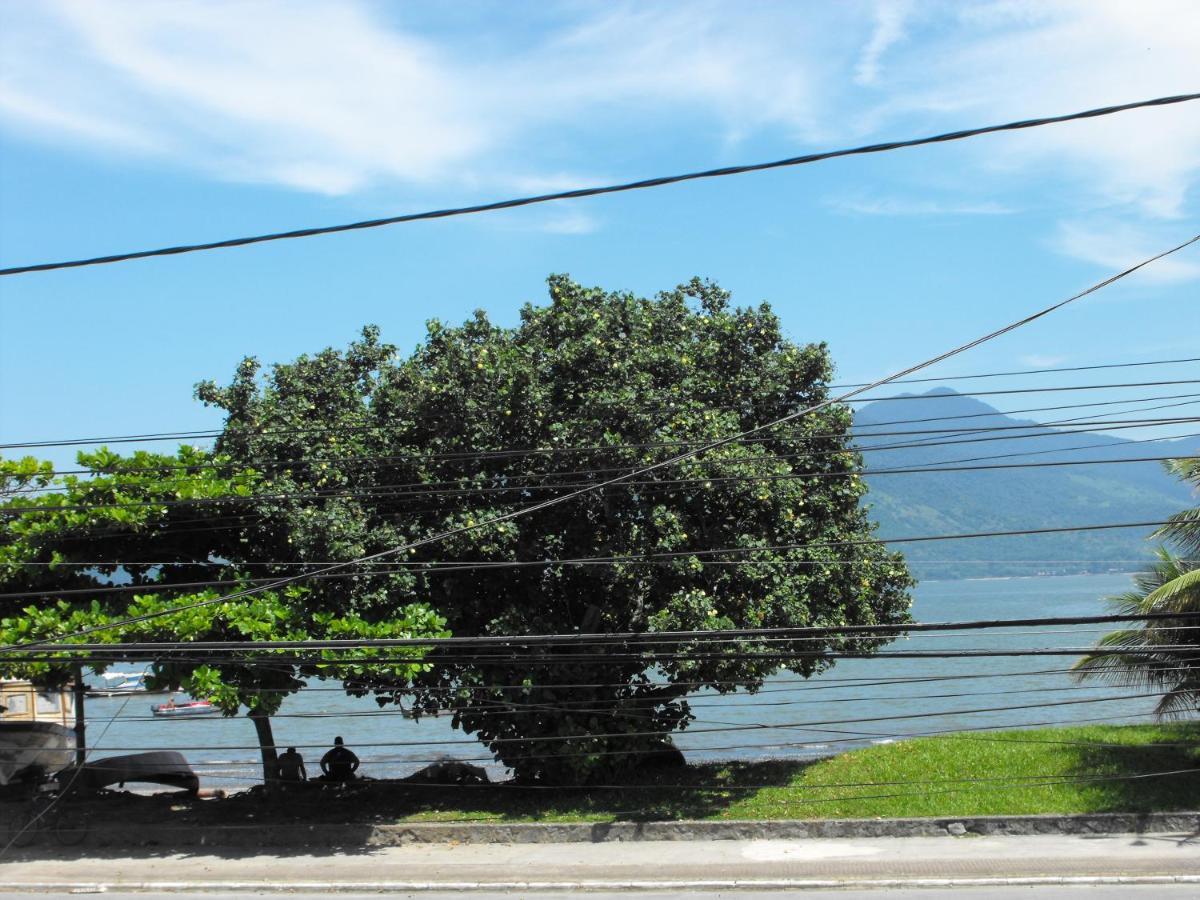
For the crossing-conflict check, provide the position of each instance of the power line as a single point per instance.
(628, 637)
(645, 470)
(725, 701)
(630, 658)
(1102, 421)
(797, 683)
(782, 726)
(1156, 362)
(847, 398)
(1098, 423)
(433, 567)
(978, 733)
(607, 189)
(204, 433)
(485, 454)
(666, 485)
(430, 489)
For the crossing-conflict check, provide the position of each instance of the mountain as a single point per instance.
(1012, 499)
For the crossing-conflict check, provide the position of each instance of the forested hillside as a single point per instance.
(1012, 499)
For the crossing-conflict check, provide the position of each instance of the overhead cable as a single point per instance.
(606, 189)
(850, 397)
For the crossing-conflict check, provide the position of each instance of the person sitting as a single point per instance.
(291, 767)
(339, 764)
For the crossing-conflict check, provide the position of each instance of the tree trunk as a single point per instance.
(266, 746)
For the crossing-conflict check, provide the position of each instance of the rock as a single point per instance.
(958, 829)
(449, 771)
(667, 756)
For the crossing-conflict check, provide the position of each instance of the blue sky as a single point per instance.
(125, 125)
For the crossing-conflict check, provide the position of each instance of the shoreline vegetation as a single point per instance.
(1081, 769)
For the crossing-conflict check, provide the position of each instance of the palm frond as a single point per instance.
(1182, 700)
(1182, 531)
(1179, 595)
(1170, 585)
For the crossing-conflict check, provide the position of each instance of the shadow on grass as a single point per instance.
(691, 792)
(1143, 779)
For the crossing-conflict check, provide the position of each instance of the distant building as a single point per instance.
(20, 701)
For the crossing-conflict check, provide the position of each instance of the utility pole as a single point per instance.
(80, 722)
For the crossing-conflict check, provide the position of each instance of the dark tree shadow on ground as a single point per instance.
(1145, 779)
(347, 815)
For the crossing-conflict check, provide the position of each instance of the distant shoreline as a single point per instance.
(1130, 572)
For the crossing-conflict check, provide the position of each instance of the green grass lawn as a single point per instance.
(1057, 770)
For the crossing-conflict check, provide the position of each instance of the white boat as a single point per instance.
(35, 732)
(173, 710)
(31, 746)
(115, 683)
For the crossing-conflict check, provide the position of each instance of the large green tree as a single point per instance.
(1147, 654)
(160, 527)
(366, 449)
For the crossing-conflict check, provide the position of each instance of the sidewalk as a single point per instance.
(1156, 858)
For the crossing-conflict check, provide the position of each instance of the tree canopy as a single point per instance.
(344, 454)
(363, 450)
(161, 527)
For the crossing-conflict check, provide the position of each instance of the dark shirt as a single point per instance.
(291, 765)
(339, 763)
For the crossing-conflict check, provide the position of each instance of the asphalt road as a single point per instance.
(1045, 892)
(703, 868)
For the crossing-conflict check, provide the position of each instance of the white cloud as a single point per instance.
(570, 222)
(330, 98)
(308, 95)
(1042, 360)
(556, 218)
(1118, 245)
(340, 97)
(1012, 59)
(889, 29)
(901, 206)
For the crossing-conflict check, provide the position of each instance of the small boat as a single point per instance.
(407, 713)
(34, 746)
(166, 767)
(173, 710)
(119, 683)
(35, 737)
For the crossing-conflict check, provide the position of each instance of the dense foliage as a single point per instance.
(161, 527)
(365, 450)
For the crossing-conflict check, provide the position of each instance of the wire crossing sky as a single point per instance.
(580, 193)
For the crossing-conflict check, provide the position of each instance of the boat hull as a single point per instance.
(166, 767)
(25, 746)
(183, 710)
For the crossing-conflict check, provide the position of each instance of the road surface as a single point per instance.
(670, 867)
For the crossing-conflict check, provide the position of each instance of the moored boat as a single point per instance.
(173, 710)
(35, 737)
(26, 747)
(115, 683)
(166, 767)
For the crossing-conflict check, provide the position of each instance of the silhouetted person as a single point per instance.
(291, 766)
(339, 763)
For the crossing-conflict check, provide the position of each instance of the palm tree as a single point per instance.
(1170, 585)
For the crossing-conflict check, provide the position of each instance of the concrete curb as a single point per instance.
(343, 836)
(799, 884)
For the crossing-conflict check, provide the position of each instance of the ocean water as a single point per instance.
(851, 705)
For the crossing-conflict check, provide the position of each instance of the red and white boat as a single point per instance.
(173, 710)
